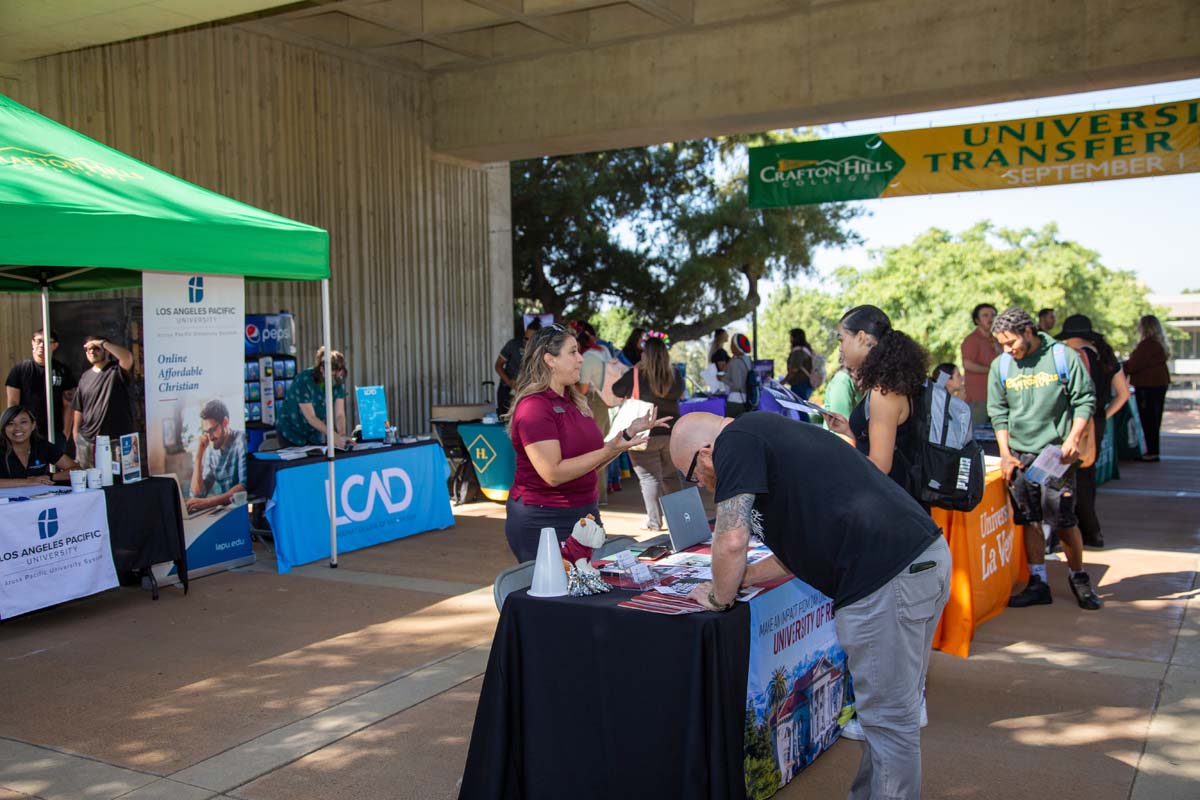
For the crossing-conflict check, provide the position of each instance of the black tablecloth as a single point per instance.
(145, 527)
(583, 699)
(260, 472)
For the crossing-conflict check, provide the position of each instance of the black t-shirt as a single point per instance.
(1102, 379)
(907, 443)
(30, 379)
(667, 405)
(41, 455)
(828, 513)
(719, 355)
(103, 399)
(512, 353)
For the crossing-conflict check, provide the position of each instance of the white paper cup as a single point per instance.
(79, 481)
(94, 478)
(239, 498)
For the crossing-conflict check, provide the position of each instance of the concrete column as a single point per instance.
(500, 253)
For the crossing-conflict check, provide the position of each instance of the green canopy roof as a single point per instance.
(70, 205)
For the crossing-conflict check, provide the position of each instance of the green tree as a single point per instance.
(929, 286)
(664, 232)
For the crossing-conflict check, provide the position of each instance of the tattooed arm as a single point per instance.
(731, 537)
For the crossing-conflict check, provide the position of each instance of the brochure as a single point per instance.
(1048, 468)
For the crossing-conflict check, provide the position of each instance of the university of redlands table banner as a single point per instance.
(54, 549)
(796, 686)
(1146, 141)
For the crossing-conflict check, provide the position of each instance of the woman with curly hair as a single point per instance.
(889, 368)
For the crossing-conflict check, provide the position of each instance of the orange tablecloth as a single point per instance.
(989, 557)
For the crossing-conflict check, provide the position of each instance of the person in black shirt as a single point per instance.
(102, 406)
(26, 386)
(845, 528)
(25, 457)
(508, 365)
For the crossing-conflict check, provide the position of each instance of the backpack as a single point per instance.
(948, 469)
(463, 485)
(1087, 440)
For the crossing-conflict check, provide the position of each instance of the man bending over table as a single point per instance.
(835, 521)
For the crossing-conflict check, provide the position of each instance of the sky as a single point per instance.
(1146, 225)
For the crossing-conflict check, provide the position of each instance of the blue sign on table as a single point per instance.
(372, 412)
(380, 497)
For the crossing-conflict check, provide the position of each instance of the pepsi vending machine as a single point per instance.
(269, 370)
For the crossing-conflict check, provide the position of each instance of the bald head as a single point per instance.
(692, 432)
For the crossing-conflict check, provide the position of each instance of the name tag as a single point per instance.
(559, 410)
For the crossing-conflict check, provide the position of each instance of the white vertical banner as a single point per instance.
(195, 409)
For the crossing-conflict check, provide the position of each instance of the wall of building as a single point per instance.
(421, 286)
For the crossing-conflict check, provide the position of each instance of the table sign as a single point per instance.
(372, 412)
(131, 458)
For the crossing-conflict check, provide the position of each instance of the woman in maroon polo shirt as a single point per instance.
(558, 444)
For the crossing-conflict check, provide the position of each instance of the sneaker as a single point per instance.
(853, 730)
(1081, 587)
(1035, 593)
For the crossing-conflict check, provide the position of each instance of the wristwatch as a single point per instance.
(625, 435)
(712, 601)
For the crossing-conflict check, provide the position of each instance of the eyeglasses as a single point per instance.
(92, 348)
(215, 429)
(690, 477)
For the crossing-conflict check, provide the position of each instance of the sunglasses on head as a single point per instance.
(690, 477)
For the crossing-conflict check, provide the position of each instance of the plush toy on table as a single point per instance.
(582, 578)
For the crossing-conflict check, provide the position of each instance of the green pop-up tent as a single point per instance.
(77, 216)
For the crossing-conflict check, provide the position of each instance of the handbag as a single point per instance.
(630, 410)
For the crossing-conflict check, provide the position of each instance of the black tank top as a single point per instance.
(906, 441)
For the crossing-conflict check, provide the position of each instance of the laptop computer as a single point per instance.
(204, 512)
(687, 524)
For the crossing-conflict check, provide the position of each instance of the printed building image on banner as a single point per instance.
(194, 329)
(796, 688)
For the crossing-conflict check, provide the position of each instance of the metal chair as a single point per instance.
(510, 580)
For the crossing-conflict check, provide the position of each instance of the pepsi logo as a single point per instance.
(253, 334)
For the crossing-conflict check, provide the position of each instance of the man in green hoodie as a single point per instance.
(1037, 398)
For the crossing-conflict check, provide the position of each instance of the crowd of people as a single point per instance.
(853, 528)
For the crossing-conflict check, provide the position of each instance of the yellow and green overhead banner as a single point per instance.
(1161, 139)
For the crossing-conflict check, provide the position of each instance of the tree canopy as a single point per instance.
(929, 286)
(664, 232)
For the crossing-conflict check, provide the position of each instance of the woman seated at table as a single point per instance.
(26, 457)
(661, 384)
(558, 444)
(300, 418)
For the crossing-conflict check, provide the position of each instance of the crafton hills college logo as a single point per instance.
(21, 158)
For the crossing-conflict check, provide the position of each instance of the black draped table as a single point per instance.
(584, 699)
(145, 527)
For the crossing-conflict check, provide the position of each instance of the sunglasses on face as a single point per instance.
(690, 477)
(92, 348)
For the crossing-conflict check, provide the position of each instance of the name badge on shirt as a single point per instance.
(558, 409)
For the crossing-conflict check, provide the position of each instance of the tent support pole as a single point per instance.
(52, 429)
(330, 430)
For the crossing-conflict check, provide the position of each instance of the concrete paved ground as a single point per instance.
(362, 681)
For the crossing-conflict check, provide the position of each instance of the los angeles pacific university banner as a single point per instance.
(1156, 140)
(195, 410)
(54, 549)
(796, 687)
